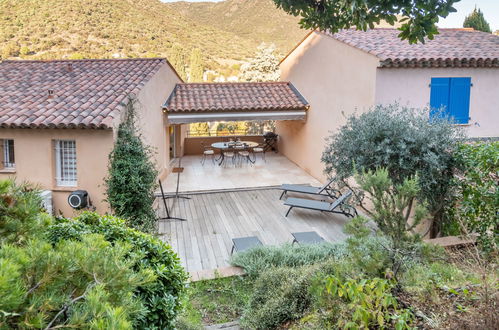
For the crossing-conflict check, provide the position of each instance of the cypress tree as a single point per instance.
(177, 59)
(132, 175)
(196, 66)
(476, 21)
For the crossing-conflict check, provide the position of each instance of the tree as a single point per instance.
(418, 17)
(196, 68)
(476, 21)
(177, 60)
(263, 67)
(132, 175)
(406, 143)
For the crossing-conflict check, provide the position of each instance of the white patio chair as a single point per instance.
(207, 151)
(259, 149)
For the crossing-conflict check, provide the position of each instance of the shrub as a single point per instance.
(403, 141)
(260, 259)
(162, 298)
(279, 295)
(363, 303)
(479, 191)
(392, 203)
(85, 284)
(132, 175)
(21, 214)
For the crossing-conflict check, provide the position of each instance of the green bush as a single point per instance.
(257, 260)
(479, 192)
(132, 175)
(279, 295)
(21, 216)
(362, 304)
(403, 141)
(85, 284)
(162, 298)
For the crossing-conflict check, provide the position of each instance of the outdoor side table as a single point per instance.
(244, 243)
(308, 237)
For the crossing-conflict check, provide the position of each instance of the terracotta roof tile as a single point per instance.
(85, 91)
(216, 97)
(449, 48)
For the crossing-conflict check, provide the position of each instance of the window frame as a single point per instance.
(66, 177)
(8, 152)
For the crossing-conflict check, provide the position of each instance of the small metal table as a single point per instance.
(308, 237)
(245, 243)
(231, 145)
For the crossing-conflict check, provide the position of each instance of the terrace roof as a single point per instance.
(198, 102)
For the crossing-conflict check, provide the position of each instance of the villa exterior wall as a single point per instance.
(412, 87)
(336, 79)
(152, 120)
(35, 162)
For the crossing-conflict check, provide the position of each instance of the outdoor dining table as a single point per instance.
(223, 146)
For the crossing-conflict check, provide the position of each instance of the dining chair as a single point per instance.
(207, 151)
(259, 149)
(229, 154)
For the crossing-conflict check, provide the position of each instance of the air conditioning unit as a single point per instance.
(46, 196)
(78, 199)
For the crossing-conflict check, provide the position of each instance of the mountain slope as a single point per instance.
(257, 20)
(106, 28)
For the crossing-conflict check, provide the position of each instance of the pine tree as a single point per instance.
(177, 59)
(196, 68)
(263, 67)
(132, 175)
(476, 21)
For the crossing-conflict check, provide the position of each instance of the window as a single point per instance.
(453, 95)
(9, 161)
(65, 161)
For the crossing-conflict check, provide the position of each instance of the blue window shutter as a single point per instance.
(459, 100)
(439, 96)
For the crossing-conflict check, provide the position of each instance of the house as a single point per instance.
(58, 120)
(353, 70)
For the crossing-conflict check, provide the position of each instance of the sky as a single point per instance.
(490, 9)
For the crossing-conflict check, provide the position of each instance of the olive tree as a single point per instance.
(404, 142)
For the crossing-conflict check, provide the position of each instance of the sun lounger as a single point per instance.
(338, 206)
(244, 243)
(324, 190)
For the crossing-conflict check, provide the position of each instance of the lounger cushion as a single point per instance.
(308, 204)
(245, 243)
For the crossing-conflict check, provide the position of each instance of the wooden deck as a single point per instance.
(213, 219)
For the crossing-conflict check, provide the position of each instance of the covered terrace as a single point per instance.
(222, 103)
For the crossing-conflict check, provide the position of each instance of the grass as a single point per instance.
(215, 301)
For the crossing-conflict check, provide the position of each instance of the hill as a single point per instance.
(47, 29)
(255, 20)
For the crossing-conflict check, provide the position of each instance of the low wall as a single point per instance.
(192, 145)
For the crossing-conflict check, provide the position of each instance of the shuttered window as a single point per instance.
(450, 97)
(65, 160)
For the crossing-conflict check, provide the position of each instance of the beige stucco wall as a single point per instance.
(152, 121)
(336, 79)
(411, 87)
(35, 162)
